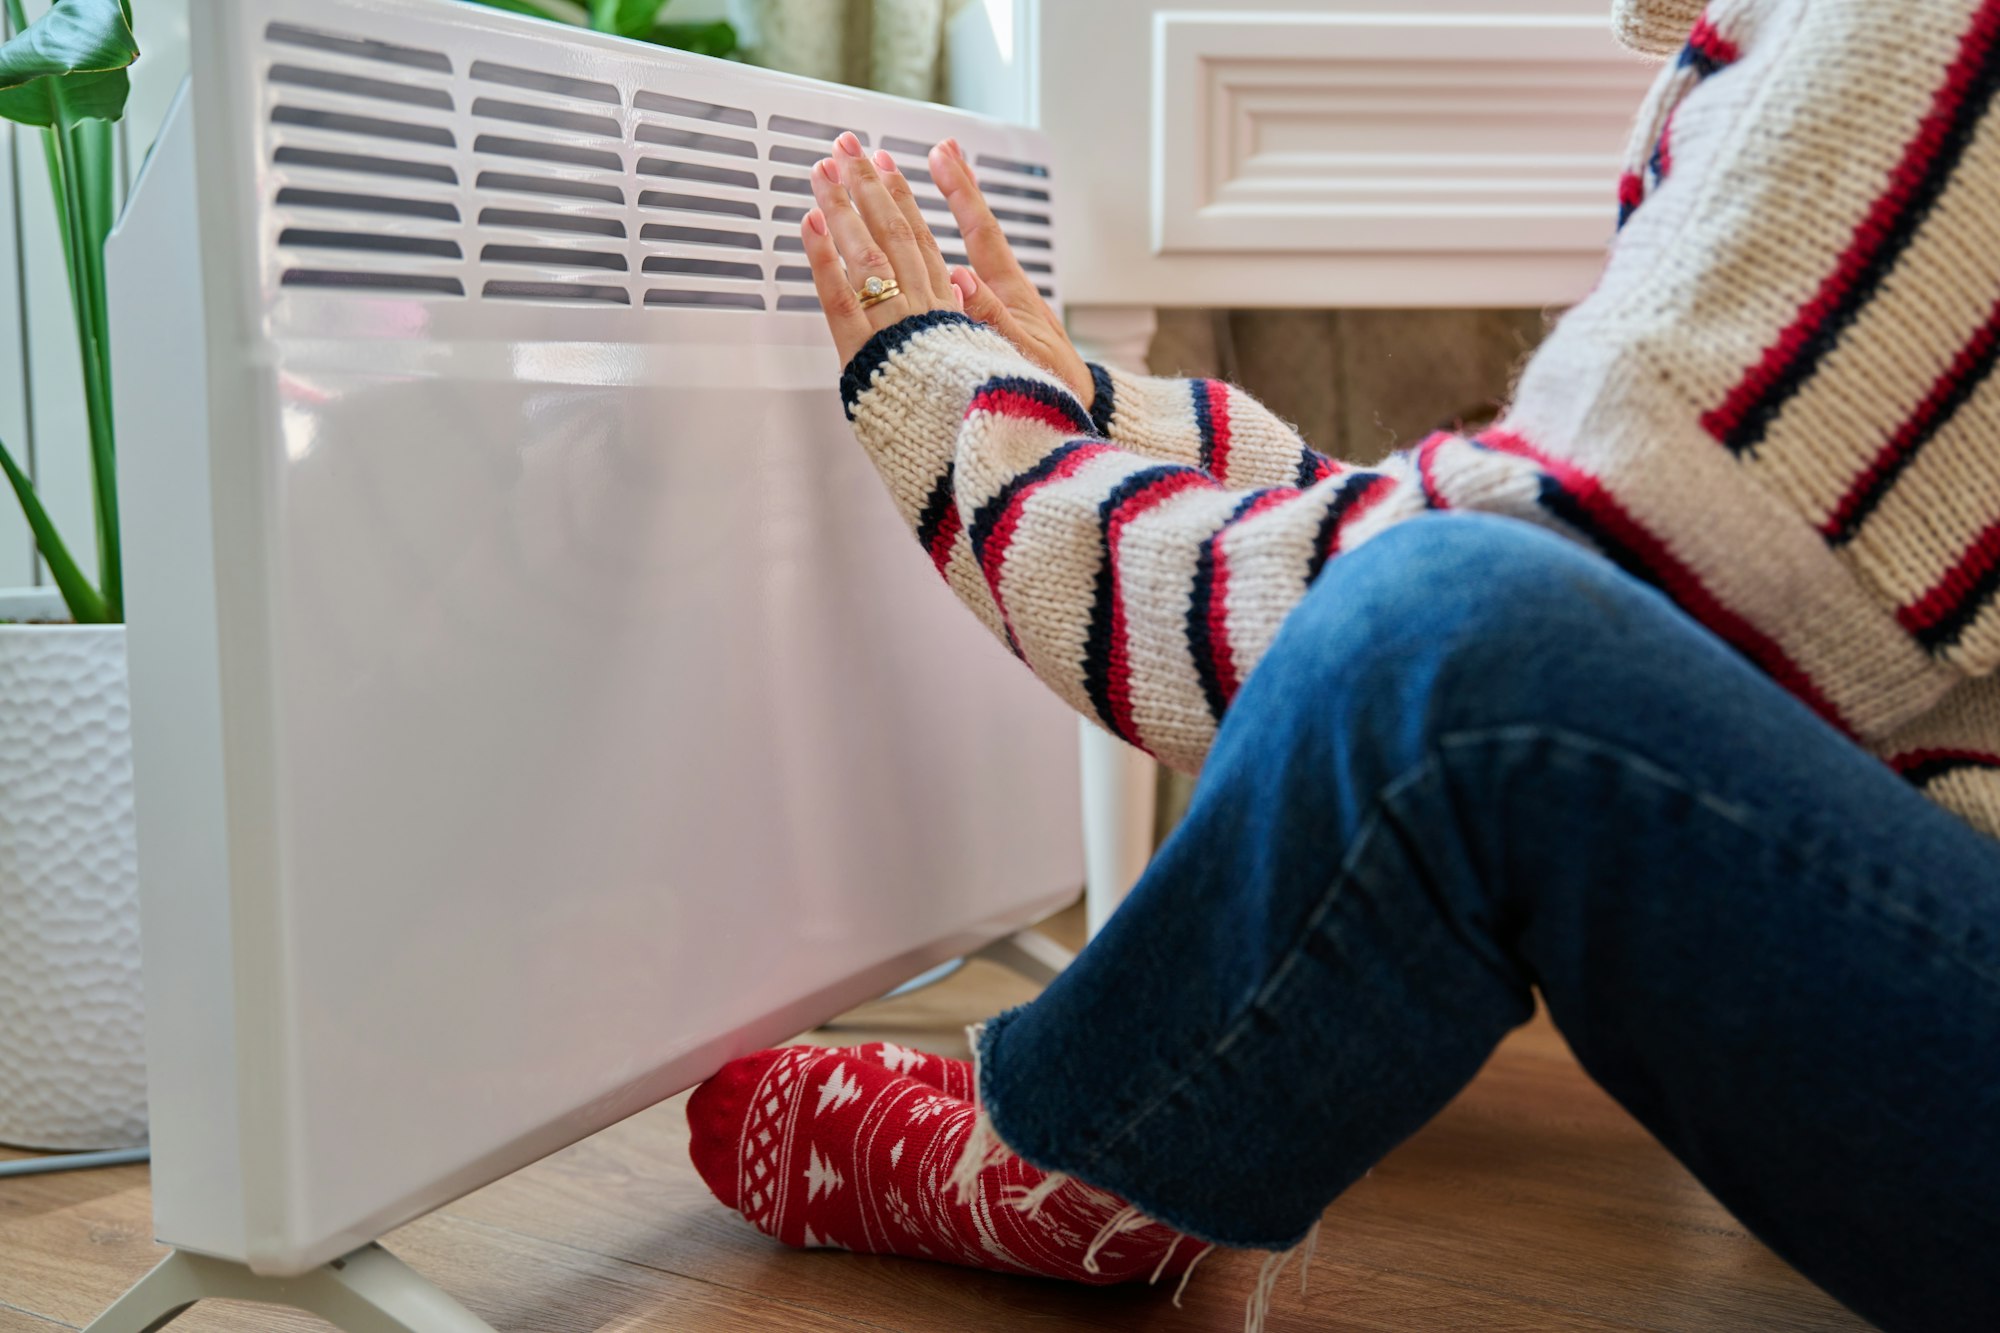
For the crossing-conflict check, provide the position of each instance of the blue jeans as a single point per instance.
(1478, 763)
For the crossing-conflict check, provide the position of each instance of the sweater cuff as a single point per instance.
(875, 353)
(1104, 399)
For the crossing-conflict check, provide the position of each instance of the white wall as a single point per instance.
(41, 384)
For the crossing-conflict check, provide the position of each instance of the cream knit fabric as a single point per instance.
(1777, 406)
(1654, 27)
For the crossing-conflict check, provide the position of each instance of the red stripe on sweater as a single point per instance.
(1909, 760)
(1218, 424)
(993, 558)
(1378, 491)
(1708, 40)
(1917, 426)
(1221, 647)
(1675, 577)
(1118, 673)
(1018, 406)
(947, 533)
(1427, 468)
(1956, 584)
(1870, 236)
(1631, 190)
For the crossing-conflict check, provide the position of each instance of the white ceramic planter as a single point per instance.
(72, 1046)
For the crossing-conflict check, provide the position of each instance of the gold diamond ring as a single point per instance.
(877, 290)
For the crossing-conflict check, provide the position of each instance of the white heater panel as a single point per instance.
(537, 699)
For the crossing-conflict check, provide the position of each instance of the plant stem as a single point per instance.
(79, 171)
(85, 606)
(93, 163)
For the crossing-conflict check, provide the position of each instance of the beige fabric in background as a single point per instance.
(892, 46)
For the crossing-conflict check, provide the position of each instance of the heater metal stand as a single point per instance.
(367, 1291)
(1029, 953)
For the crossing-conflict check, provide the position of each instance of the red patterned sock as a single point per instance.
(857, 1149)
(953, 1078)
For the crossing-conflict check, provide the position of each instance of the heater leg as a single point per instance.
(1029, 953)
(368, 1291)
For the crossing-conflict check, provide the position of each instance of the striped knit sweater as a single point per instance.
(1776, 406)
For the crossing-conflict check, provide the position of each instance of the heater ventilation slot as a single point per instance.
(377, 282)
(577, 222)
(540, 81)
(554, 118)
(732, 300)
(553, 186)
(363, 165)
(667, 231)
(701, 203)
(556, 291)
(389, 178)
(361, 48)
(337, 122)
(670, 105)
(354, 85)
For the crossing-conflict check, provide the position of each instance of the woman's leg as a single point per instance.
(1477, 762)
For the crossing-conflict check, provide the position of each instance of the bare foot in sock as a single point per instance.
(856, 1148)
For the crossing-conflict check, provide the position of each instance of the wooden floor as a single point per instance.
(1532, 1203)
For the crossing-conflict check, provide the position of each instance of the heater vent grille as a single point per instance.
(398, 170)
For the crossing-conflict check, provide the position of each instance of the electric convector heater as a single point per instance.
(536, 699)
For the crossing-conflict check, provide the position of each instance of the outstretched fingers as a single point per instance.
(845, 318)
(986, 243)
(886, 223)
(898, 186)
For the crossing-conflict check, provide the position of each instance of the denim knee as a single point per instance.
(1469, 615)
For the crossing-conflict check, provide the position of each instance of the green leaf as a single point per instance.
(68, 65)
(706, 39)
(627, 18)
(85, 606)
(528, 7)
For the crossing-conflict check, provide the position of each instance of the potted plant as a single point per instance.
(72, 1055)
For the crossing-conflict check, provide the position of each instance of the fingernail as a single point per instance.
(963, 281)
(825, 167)
(956, 151)
(943, 168)
(816, 220)
(885, 162)
(848, 144)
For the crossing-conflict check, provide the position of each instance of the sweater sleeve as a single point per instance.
(1141, 587)
(1204, 423)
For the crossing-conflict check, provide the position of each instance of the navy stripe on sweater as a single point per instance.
(1200, 629)
(1104, 400)
(1926, 766)
(1921, 179)
(1097, 637)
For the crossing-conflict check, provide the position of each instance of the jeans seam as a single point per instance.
(1731, 812)
(1371, 826)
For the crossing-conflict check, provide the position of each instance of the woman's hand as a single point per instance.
(868, 225)
(997, 291)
